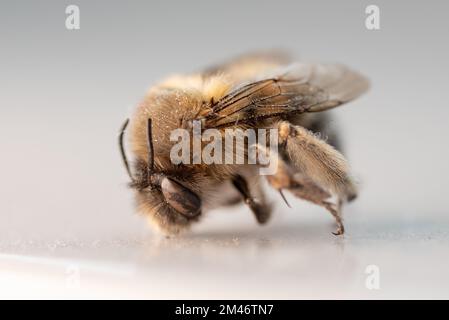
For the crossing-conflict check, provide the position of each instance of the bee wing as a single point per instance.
(297, 89)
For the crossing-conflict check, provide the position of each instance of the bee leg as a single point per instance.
(287, 178)
(305, 189)
(261, 210)
(323, 164)
(319, 124)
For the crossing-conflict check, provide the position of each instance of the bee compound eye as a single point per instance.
(180, 198)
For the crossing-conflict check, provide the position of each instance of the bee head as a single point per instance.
(161, 194)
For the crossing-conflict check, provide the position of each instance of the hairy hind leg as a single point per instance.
(304, 188)
(322, 125)
(311, 156)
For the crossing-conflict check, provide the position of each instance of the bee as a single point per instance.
(254, 91)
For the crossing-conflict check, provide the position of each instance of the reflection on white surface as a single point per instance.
(298, 259)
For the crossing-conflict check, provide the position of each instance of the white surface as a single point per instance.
(295, 257)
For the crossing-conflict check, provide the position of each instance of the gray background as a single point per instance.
(63, 191)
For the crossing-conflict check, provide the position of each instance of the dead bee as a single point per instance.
(254, 91)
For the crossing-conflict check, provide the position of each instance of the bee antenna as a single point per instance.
(122, 148)
(150, 147)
